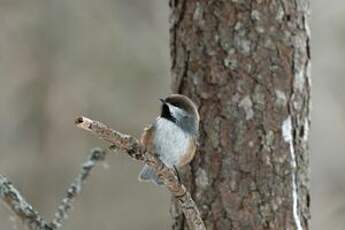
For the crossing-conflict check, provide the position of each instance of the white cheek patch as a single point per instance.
(176, 112)
(170, 142)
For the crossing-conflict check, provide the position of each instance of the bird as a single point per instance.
(172, 136)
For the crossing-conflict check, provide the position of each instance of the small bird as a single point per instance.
(172, 136)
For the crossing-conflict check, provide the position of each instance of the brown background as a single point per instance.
(109, 60)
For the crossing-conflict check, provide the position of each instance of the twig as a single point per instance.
(16, 202)
(24, 211)
(135, 150)
(76, 187)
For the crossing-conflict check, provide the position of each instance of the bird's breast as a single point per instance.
(170, 142)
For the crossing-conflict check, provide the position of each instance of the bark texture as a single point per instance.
(247, 65)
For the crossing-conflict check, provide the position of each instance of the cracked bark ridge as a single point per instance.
(30, 217)
(246, 64)
(135, 150)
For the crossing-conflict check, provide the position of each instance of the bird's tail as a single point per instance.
(147, 174)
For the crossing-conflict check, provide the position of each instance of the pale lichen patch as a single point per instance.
(238, 26)
(255, 15)
(280, 14)
(269, 139)
(281, 98)
(247, 105)
(287, 131)
(196, 79)
(230, 63)
(268, 43)
(243, 44)
(260, 29)
(198, 14)
(307, 28)
(236, 98)
(267, 160)
(201, 178)
(299, 80)
(259, 97)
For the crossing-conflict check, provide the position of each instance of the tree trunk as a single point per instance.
(247, 65)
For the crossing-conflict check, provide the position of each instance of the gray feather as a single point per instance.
(147, 174)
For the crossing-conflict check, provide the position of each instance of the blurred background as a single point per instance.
(109, 60)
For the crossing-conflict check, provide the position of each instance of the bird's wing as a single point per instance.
(190, 153)
(147, 137)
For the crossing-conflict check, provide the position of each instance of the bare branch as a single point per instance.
(33, 221)
(118, 140)
(24, 211)
(76, 187)
(135, 150)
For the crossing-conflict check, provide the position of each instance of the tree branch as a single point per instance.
(33, 221)
(30, 218)
(22, 209)
(135, 150)
(75, 188)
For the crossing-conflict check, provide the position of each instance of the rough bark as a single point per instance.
(247, 66)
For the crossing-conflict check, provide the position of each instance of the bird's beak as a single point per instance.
(162, 100)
